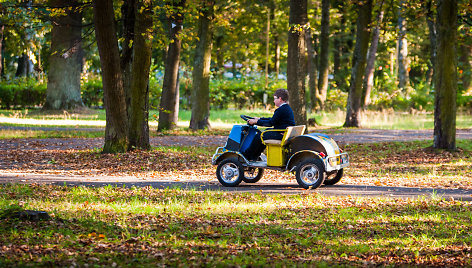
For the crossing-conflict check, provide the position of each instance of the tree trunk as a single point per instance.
(169, 86)
(142, 51)
(218, 40)
(324, 54)
(2, 29)
(432, 41)
(266, 70)
(359, 60)
(312, 70)
(129, 17)
(403, 62)
(446, 76)
(116, 130)
(201, 69)
(25, 66)
(465, 66)
(65, 60)
(369, 70)
(340, 61)
(296, 62)
(277, 56)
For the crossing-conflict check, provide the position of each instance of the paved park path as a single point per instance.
(346, 137)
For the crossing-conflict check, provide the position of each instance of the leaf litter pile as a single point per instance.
(115, 227)
(410, 164)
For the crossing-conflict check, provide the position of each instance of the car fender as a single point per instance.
(222, 153)
(299, 156)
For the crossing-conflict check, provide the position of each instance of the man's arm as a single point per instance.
(262, 121)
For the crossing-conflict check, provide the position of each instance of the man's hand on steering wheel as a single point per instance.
(250, 120)
(253, 121)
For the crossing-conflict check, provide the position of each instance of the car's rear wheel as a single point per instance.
(310, 173)
(252, 175)
(230, 172)
(333, 177)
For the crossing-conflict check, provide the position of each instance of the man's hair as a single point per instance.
(282, 93)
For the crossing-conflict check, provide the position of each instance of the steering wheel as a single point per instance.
(245, 117)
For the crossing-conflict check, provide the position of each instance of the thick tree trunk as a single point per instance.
(312, 70)
(359, 61)
(116, 130)
(169, 86)
(370, 67)
(296, 61)
(201, 70)
(65, 60)
(446, 76)
(432, 41)
(403, 61)
(142, 51)
(129, 18)
(324, 54)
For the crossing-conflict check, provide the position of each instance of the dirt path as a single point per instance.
(347, 137)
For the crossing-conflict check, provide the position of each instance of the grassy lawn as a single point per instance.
(111, 226)
(222, 119)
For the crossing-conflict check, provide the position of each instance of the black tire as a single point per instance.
(253, 175)
(230, 172)
(310, 173)
(333, 177)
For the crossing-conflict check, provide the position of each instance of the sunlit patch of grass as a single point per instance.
(193, 228)
(389, 119)
(40, 134)
(222, 120)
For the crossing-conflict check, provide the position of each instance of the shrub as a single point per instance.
(242, 93)
(22, 93)
(92, 92)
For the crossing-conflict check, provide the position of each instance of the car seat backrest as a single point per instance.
(293, 132)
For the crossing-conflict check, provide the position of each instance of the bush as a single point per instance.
(336, 99)
(22, 93)
(242, 93)
(92, 92)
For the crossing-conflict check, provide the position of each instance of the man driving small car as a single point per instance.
(283, 117)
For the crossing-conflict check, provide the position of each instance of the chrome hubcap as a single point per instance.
(310, 174)
(230, 172)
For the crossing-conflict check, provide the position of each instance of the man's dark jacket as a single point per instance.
(282, 118)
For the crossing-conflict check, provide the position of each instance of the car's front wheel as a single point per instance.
(230, 172)
(310, 173)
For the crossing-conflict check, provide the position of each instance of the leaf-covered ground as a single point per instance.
(116, 227)
(411, 164)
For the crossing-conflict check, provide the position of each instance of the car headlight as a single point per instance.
(332, 161)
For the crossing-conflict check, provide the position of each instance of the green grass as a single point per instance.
(226, 118)
(40, 134)
(390, 120)
(149, 227)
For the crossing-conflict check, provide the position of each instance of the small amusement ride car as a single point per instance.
(315, 158)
